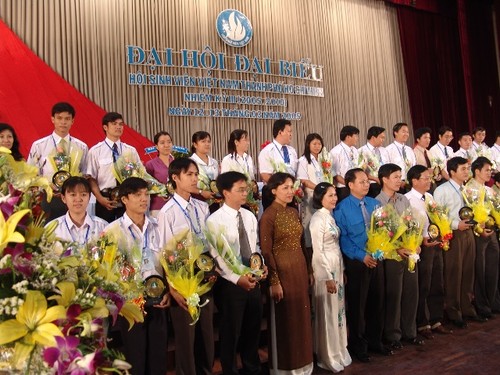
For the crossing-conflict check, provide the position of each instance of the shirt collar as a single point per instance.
(229, 210)
(71, 225)
(420, 148)
(182, 202)
(279, 145)
(399, 145)
(58, 138)
(110, 142)
(127, 221)
(415, 193)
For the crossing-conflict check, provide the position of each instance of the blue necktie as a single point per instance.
(115, 152)
(286, 155)
(364, 212)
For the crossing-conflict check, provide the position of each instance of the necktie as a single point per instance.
(427, 160)
(403, 152)
(63, 145)
(115, 152)
(245, 250)
(286, 155)
(364, 212)
(192, 218)
(379, 156)
(423, 197)
(446, 152)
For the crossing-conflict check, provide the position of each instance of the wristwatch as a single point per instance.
(199, 192)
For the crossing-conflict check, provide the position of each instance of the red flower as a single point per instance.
(265, 144)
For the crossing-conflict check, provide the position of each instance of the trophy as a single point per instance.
(490, 224)
(206, 264)
(155, 288)
(434, 232)
(257, 265)
(213, 189)
(59, 178)
(466, 213)
(114, 194)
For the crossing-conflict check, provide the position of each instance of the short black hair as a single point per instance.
(496, 177)
(464, 134)
(111, 117)
(279, 126)
(479, 163)
(198, 136)
(63, 107)
(319, 193)
(421, 131)
(74, 181)
(225, 181)
(443, 129)
(478, 129)
(274, 181)
(454, 162)
(414, 173)
(396, 128)
(350, 175)
(178, 166)
(131, 185)
(157, 136)
(374, 132)
(386, 170)
(348, 130)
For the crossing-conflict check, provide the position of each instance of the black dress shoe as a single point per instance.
(380, 349)
(415, 341)
(396, 345)
(362, 357)
(460, 323)
(477, 318)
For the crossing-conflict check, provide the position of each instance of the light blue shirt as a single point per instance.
(449, 195)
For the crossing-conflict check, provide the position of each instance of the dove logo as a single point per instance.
(234, 28)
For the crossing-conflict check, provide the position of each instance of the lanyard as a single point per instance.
(71, 234)
(443, 150)
(111, 148)
(402, 152)
(186, 214)
(459, 194)
(280, 152)
(246, 163)
(145, 237)
(350, 158)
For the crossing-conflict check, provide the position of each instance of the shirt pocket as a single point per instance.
(105, 161)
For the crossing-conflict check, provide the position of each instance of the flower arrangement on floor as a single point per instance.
(55, 297)
(386, 228)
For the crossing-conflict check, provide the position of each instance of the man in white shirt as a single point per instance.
(145, 344)
(462, 251)
(430, 268)
(466, 150)
(345, 157)
(77, 225)
(43, 153)
(238, 297)
(495, 153)
(101, 164)
(374, 148)
(478, 136)
(401, 154)
(182, 212)
(442, 151)
(278, 156)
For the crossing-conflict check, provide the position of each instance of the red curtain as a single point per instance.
(28, 90)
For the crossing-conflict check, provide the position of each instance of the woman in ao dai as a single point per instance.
(310, 174)
(329, 326)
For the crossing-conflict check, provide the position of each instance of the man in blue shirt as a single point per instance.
(365, 289)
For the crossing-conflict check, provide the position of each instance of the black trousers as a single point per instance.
(365, 305)
(240, 317)
(108, 215)
(145, 345)
(486, 274)
(431, 287)
(194, 344)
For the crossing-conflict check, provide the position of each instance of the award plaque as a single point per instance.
(114, 194)
(59, 178)
(206, 264)
(467, 214)
(433, 232)
(436, 171)
(155, 288)
(257, 264)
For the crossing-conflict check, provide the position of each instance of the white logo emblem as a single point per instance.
(234, 28)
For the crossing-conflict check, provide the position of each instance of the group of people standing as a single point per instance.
(318, 244)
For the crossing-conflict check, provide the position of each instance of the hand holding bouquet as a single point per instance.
(474, 197)
(386, 227)
(326, 164)
(438, 215)
(412, 237)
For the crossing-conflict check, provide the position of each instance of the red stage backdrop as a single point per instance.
(28, 90)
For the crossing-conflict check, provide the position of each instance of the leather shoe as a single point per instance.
(427, 333)
(477, 318)
(396, 345)
(381, 349)
(460, 323)
(442, 330)
(415, 341)
(362, 357)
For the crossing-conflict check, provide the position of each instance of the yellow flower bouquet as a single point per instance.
(386, 228)
(412, 238)
(438, 215)
(474, 196)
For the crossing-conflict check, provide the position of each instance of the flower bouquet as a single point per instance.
(494, 206)
(369, 163)
(263, 145)
(438, 215)
(412, 238)
(474, 196)
(219, 242)
(386, 227)
(126, 166)
(205, 183)
(326, 164)
(298, 192)
(179, 260)
(65, 164)
(485, 151)
(54, 298)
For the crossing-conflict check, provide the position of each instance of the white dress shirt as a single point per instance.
(238, 163)
(344, 158)
(418, 204)
(309, 171)
(67, 230)
(100, 161)
(449, 195)
(369, 149)
(211, 169)
(438, 152)
(273, 151)
(43, 148)
(174, 219)
(469, 154)
(225, 221)
(495, 155)
(395, 152)
(147, 239)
